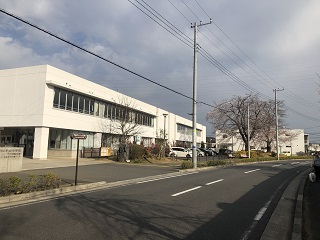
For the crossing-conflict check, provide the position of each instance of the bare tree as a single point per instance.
(231, 116)
(123, 123)
(267, 132)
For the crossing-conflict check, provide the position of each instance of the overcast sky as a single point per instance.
(259, 45)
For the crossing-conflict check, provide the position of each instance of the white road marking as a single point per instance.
(189, 190)
(252, 171)
(259, 215)
(262, 211)
(277, 165)
(160, 178)
(214, 182)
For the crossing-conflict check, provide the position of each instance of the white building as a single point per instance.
(291, 142)
(41, 106)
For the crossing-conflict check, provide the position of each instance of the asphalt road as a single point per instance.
(224, 203)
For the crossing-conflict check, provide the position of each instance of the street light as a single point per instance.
(164, 134)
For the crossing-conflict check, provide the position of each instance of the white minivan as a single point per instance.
(180, 152)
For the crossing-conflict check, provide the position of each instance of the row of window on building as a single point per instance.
(60, 139)
(75, 102)
(183, 129)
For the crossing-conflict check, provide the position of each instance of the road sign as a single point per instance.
(78, 136)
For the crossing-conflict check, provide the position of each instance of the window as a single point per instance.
(75, 105)
(70, 101)
(86, 105)
(63, 96)
(91, 106)
(102, 109)
(81, 104)
(56, 97)
(96, 108)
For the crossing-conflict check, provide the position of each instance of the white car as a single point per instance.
(199, 152)
(180, 152)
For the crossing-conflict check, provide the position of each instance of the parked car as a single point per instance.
(226, 152)
(180, 152)
(287, 153)
(208, 151)
(199, 152)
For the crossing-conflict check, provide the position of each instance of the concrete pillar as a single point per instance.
(40, 149)
(97, 140)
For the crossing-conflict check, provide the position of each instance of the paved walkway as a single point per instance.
(31, 164)
(311, 211)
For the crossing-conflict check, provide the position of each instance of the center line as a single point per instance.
(253, 170)
(189, 190)
(277, 165)
(214, 182)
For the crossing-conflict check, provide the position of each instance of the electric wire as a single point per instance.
(287, 93)
(93, 54)
(182, 37)
(213, 60)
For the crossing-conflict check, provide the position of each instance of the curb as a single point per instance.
(297, 223)
(33, 196)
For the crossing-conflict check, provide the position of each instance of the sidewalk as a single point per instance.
(32, 164)
(311, 211)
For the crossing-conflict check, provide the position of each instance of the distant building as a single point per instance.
(291, 142)
(41, 106)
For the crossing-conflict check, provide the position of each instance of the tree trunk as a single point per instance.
(268, 146)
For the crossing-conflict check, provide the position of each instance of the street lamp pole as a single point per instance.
(164, 134)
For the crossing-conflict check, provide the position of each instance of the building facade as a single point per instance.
(41, 106)
(291, 142)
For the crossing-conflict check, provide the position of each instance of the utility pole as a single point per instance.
(248, 130)
(164, 134)
(194, 99)
(277, 125)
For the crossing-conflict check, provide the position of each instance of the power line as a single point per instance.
(93, 54)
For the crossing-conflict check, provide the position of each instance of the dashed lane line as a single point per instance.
(189, 190)
(195, 188)
(277, 165)
(253, 170)
(207, 184)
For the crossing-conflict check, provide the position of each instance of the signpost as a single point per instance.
(77, 136)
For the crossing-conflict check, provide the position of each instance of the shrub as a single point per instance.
(14, 185)
(217, 163)
(49, 181)
(136, 151)
(253, 154)
(148, 152)
(4, 187)
(186, 165)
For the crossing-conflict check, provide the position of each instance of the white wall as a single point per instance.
(26, 100)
